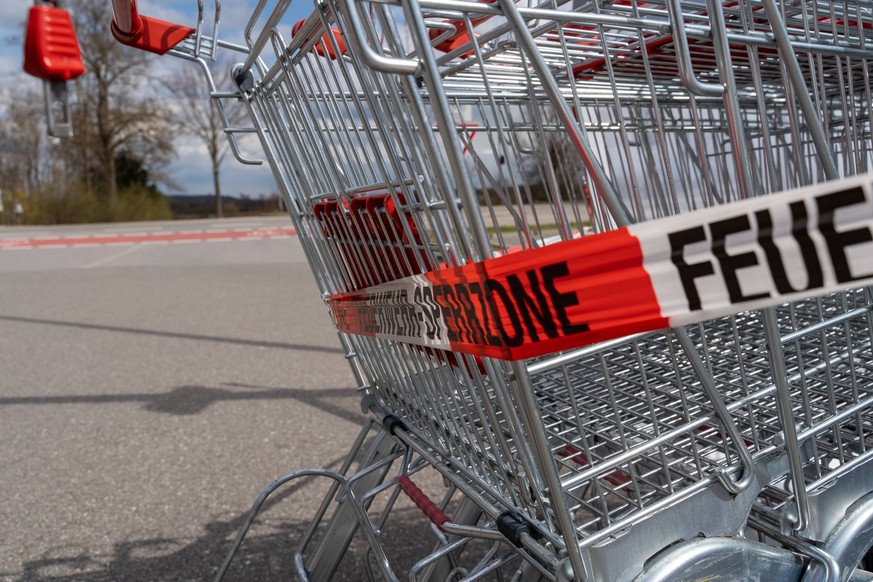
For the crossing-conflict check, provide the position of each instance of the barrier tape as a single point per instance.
(664, 273)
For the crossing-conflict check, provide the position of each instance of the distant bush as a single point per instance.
(78, 205)
(139, 203)
(203, 206)
(65, 207)
(229, 209)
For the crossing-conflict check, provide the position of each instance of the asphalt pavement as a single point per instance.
(150, 388)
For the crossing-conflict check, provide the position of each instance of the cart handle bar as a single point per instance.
(145, 33)
(126, 16)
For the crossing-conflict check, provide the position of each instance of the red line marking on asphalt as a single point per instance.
(145, 238)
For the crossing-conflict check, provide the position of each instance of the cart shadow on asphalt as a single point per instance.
(190, 400)
(165, 559)
(262, 556)
(174, 335)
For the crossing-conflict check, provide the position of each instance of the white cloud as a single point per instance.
(11, 69)
(193, 171)
(14, 12)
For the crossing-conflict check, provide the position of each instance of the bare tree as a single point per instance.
(198, 115)
(117, 110)
(22, 141)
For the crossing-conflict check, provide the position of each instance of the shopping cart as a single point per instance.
(467, 177)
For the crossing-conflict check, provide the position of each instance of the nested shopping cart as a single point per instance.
(468, 177)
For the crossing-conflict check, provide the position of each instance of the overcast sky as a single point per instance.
(191, 169)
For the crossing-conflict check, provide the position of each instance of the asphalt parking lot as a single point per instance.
(148, 392)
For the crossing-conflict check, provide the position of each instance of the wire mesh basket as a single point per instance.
(416, 141)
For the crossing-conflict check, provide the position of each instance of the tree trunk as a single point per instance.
(107, 150)
(217, 186)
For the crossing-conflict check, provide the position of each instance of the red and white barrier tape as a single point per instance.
(664, 273)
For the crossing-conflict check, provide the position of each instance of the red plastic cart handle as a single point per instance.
(323, 47)
(143, 32)
(51, 50)
(428, 507)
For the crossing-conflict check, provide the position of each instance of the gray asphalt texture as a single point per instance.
(149, 393)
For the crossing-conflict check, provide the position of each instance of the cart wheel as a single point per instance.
(863, 571)
(866, 565)
(723, 558)
(850, 544)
